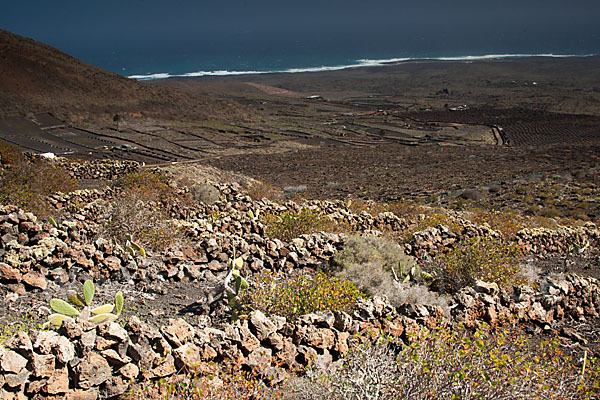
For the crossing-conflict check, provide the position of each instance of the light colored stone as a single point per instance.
(114, 387)
(12, 362)
(17, 380)
(307, 355)
(165, 368)
(188, 355)
(93, 370)
(129, 371)
(394, 328)
(45, 341)
(113, 263)
(103, 343)
(114, 358)
(178, 332)
(58, 382)
(33, 387)
(9, 273)
(260, 357)
(64, 350)
(88, 339)
(323, 361)
(113, 331)
(20, 342)
(43, 365)
(36, 280)
(341, 342)
(80, 394)
(248, 341)
(315, 337)
(71, 329)
(261, 325)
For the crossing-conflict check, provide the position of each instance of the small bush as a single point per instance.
(446, 364)
(261, 190)
(506, 222)
(486, 259)
(141, 209)
(291, 224)
(225, 383)
(368, 262)
(26, 184)
(298, 294)
(148, 185)
(12, 324)
(10, 155)
(374, 250)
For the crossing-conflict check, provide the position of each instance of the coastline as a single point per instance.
(361, 63)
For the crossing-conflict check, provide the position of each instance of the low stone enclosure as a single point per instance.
(83, 361)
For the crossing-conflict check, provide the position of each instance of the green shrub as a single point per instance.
(479, 258)
(292, 224)
(447, 364)
(298, 294)
(12, 324)
(506, 222)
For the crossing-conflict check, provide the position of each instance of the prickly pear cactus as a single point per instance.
(80, 307)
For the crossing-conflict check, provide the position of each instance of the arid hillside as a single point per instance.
(35, 77)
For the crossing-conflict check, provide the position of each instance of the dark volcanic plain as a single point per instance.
(390, 133)
(426, 130)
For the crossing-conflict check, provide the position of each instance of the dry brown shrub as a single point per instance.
(368, 262)
(141, 209)
(447, 364)
(261, 189)
(506, 222)
(27, 183)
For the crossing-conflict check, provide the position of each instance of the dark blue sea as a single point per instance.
(252, 53)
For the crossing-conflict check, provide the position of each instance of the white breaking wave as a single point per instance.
(359, 63)
(150, 76)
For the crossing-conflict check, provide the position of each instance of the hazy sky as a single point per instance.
(74, 23)
(82, 27)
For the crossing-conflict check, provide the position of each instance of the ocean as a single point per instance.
(257, 54)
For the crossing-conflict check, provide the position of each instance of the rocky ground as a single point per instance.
(168, 325)
(381, 152)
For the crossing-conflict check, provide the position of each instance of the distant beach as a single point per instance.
(357, 64)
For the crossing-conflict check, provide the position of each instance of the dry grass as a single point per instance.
(447, 364)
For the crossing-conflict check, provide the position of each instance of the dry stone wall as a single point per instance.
(81, 360)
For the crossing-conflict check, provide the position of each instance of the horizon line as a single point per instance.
(358, 64)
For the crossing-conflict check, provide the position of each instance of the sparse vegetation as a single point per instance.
(224, 383)
(292, 224)
(292, 295)
(261, 190)
(446, 364)
(27, 183)
(379, 266)
(141, 210)
(478, 258)
(508, 223)
(15, 323)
